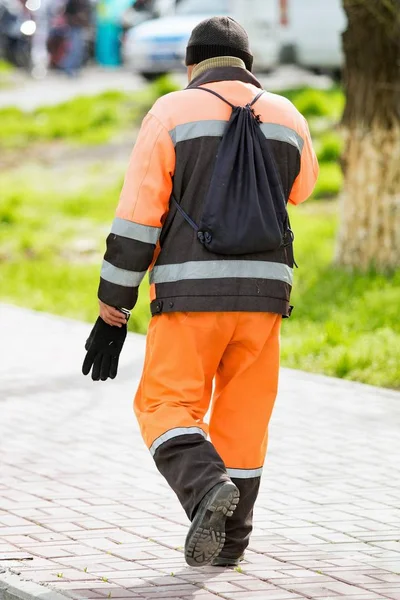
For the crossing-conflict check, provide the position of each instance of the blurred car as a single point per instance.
(144, 10)
(158, 46)
(311, 34)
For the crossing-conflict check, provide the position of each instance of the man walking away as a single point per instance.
(204, 207)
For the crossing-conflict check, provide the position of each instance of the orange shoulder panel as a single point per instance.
(148, 183)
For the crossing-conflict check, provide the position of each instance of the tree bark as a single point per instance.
(369, 233)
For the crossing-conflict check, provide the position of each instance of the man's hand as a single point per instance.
(112, 316)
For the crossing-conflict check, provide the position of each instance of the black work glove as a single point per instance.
(103, 347)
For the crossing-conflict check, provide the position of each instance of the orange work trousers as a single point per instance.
(224, 361)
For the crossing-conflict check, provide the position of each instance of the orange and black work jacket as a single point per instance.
(175, 153)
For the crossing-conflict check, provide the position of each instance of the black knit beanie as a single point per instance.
(219, 36)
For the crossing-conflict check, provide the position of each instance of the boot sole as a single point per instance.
(206, 536)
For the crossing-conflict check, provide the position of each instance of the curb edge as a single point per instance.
(14, 587)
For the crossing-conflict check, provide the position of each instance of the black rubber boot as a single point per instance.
(206, 536)
(238, 529)
(222, 561)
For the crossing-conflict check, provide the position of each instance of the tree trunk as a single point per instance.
(369, 234)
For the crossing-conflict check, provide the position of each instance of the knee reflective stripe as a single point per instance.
(244, 473)
(173, 433)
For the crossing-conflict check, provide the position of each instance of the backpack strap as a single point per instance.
(185, 215)
(203, 236)
(256, 99)
(217, 95)
(204, 89)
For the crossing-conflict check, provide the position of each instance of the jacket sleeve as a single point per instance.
(309, 169)
(141, 211)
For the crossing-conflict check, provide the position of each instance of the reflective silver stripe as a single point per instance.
(217, 269)
(196, 129)
(215, 128)
(121, 276)
(173, 433)
(244, 473)
(135, 231)
(273, 131)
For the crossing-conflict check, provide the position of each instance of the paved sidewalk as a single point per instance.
(28, 93)
(84, 512)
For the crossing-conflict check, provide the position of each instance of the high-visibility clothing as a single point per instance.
(185, 354)
(217, 317)
(175, 152)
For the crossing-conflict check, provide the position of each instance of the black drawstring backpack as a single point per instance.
(244, 211)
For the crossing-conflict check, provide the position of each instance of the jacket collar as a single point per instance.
(217, 61)
(224, 74)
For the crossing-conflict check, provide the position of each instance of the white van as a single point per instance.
(158, 46)
(311, 33)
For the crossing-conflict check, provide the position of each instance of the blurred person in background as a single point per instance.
(77, 15)
(109, 31)
(15, 37)
(57, 41)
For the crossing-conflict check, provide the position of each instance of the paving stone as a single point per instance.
(120, 593)
(87, 594)
(254, 584)
(263, 595)
(221, 587)
(80, 495)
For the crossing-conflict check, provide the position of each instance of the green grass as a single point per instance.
(330, 180)
(52, 241)
(63, 288)
(317, 103)
(97, 119)
(5, 67)
(53, 224)
(338, 325)
(328, 147)
(6, 73)
(83, 120)
(323, 109)
(52, 237)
